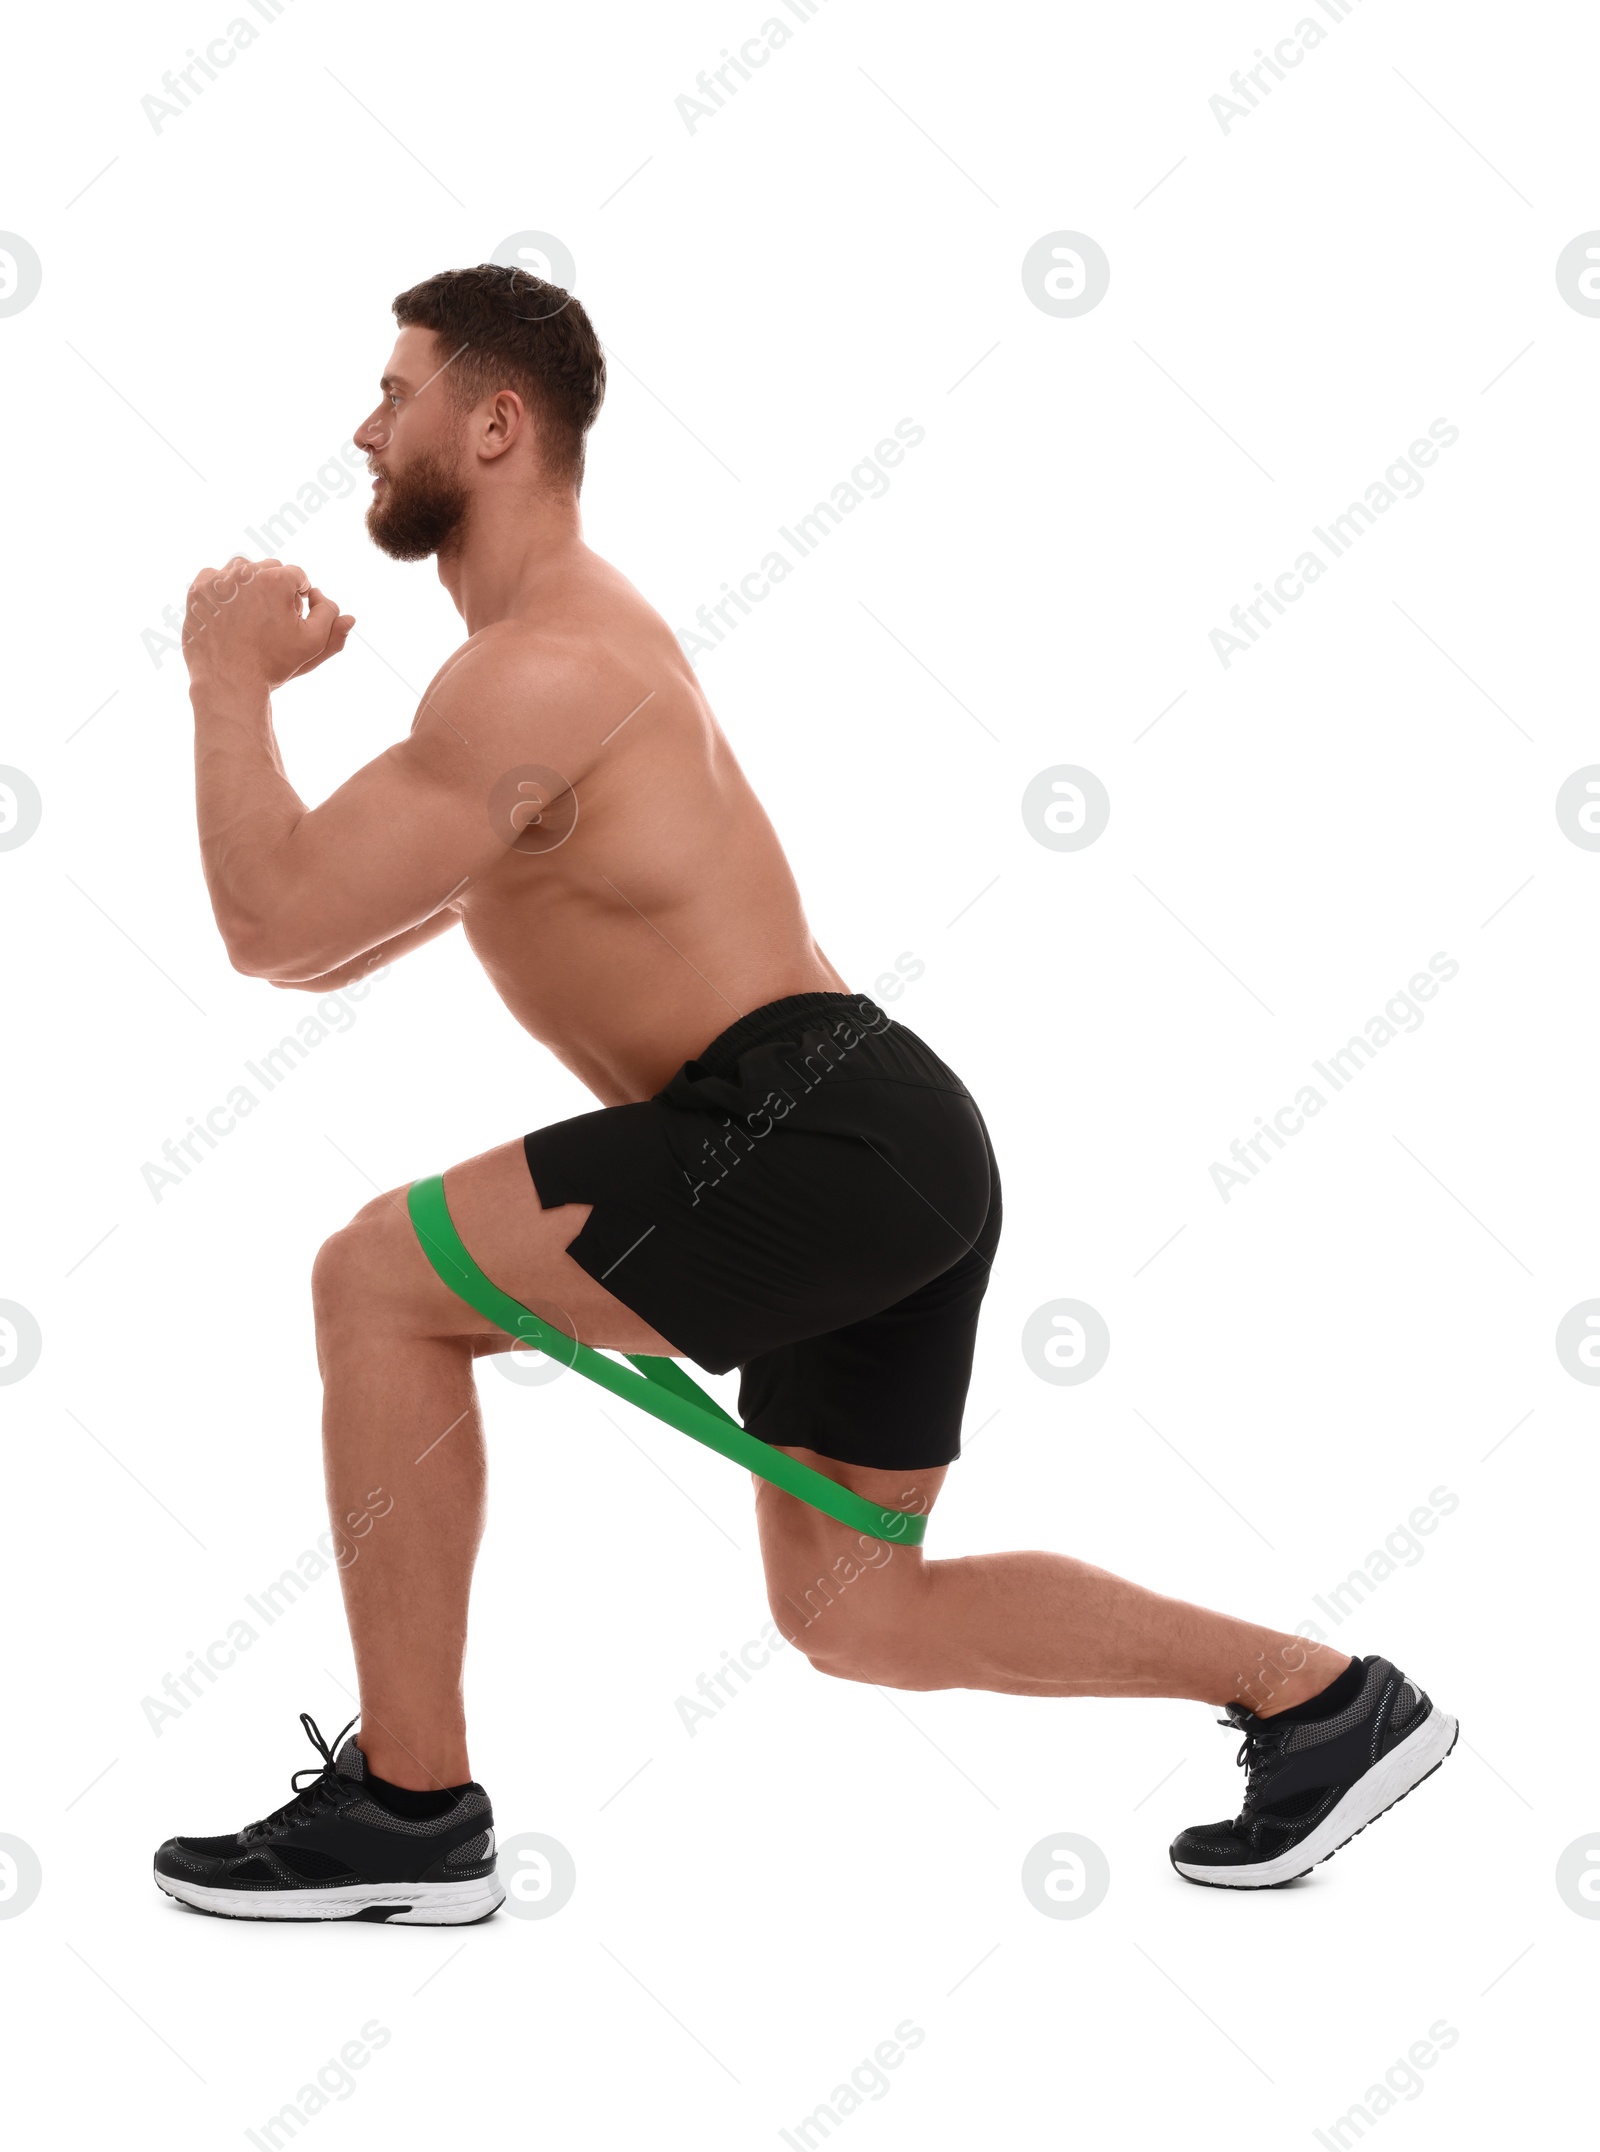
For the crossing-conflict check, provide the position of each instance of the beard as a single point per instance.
(419, 510)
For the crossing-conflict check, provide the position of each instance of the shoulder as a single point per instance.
(504, 684)
(510, 658)
(562, 668)
(568, 686)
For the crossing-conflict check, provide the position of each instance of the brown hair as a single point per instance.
(512, 330)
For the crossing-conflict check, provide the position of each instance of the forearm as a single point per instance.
(375, 961)
(245, 807)
(361, 967)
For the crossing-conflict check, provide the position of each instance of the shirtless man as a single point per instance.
(566, 797)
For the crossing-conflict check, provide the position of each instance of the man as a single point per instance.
(779, 1178)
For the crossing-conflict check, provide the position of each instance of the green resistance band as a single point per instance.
(660, 1386)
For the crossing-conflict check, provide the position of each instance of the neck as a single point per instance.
(511, 542)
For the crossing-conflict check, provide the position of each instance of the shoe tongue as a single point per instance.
(350, 1763)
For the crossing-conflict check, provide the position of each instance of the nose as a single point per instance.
(371, 435)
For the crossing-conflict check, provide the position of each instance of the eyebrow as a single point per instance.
(393, 381)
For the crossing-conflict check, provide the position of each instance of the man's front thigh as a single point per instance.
(523, 1247)
(373, 1273)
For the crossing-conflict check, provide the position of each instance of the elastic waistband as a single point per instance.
(787, 1019)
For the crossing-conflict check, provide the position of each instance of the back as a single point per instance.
(651, 902)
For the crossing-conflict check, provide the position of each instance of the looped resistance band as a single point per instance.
(660, 1387)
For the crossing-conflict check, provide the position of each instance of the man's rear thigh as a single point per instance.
(799, 1544)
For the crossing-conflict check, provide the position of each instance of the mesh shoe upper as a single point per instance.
(1298, 1768)
(337, 1830)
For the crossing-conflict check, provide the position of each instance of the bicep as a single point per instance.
(403, 837)
(378, 859)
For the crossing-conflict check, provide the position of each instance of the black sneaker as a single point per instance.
(1312, 1783)
(337, 1852)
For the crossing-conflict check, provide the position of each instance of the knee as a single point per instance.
(347, 1275)
(869, 1638)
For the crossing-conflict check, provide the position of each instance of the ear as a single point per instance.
(506, 424)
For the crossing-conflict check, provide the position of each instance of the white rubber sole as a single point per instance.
(1390, 1780)
(399, 1905)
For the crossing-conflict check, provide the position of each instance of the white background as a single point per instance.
(838, 248)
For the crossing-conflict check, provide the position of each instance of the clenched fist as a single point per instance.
(257, 623)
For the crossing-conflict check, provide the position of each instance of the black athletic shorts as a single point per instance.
(813, 1200)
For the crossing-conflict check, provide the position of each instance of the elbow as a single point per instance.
(251, 952)
(260, 954)
(248, 934)
(245, 959)
(246, 956)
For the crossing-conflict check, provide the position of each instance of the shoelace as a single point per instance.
(1258, 1750)
(328, 1789)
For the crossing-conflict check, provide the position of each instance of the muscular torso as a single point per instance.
(627, 935)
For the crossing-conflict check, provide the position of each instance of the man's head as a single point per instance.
(495, 376)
